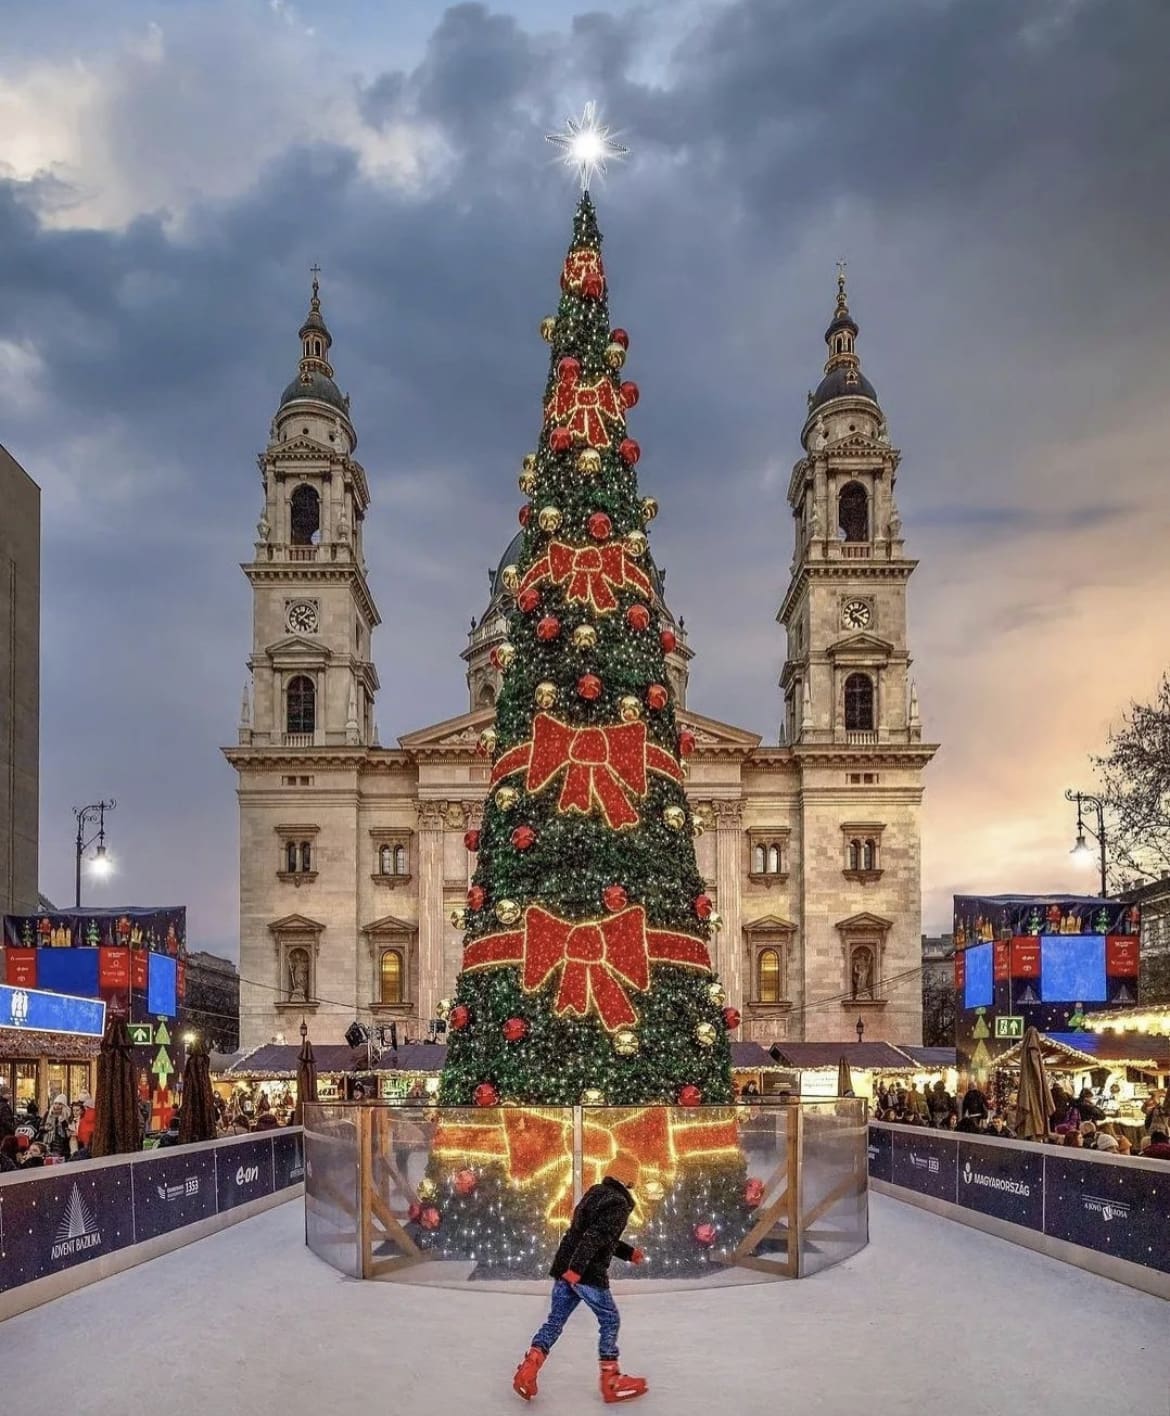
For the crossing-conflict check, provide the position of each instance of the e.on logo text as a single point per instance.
(247, 1174)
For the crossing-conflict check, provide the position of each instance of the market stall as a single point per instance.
(817, 1066)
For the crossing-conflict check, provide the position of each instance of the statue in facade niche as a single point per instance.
(862, 973)
(263, 529)
(298, 971)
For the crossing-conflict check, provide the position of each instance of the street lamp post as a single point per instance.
(86, 815)
(1082, 851)
(860, 1029)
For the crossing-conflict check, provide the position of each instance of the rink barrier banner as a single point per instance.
(93, 1214)
(1106, 1213)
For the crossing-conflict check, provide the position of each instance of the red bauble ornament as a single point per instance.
(515, 1030)
(638, 618)
(414, 1211)
(569, 368)
(615, 898)
(459, 1017)
(475, 897)
(485, 1094)
(619, 336)
(690, 1095)
(600, 526)
(466, 1181)
(430, 1218)
(705, 1235)
(548, 629)
(628, 393)
(592, 286)
(703, 906)
(523, 514)
(523, 837)
(731, 1018)
(657, 696)
(669, 641)
(527, 600)
(629, 451)
(686, 743)
(589, 687)
(471, 840)
(753, 1192)
(560, 439)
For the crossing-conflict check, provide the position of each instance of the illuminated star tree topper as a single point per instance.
(586, 144)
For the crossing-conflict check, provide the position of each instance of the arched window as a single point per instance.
(773, 860)
(390, 974)
(487, 696)
(301, 715)
(306, 856)
(869, 855)
(385, 860)
(768, 976)
(305, 508)
(859, 703)
(759, 861)
(290, 858)
(399, 860)
(854, 855)
(853, 512)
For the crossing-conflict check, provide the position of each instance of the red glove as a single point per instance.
(637, 1256)
(570, 1277)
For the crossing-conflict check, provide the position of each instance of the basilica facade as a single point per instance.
(352, 854)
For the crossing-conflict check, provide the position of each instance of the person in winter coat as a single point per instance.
(581, 1271)
(7, 1116)
(55, 1132)
(939, 1103)
(974, 1105)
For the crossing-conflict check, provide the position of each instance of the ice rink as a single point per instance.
(932, 1318)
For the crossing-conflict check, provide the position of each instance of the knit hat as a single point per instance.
(60, 1099)
(1106, 1142)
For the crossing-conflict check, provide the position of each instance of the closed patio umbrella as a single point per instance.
(1034, 1105)
(197, 1118)
(306, 1076)
(844, 1079)
(116, 1123)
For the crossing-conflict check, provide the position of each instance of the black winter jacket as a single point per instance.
(594, 1237)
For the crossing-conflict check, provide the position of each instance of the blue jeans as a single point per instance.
(600, 1303)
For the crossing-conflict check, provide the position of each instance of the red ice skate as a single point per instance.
(524, 1382)
(615, 1386)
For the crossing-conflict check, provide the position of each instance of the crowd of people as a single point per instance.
(1078, 1120)
(32, 1140)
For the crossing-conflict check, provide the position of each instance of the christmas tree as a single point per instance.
(586, 971)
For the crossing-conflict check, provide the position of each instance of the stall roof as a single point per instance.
(868, 1056)
(751, 1057)
(1080, 1050)
(279, 1059)
(63, 1047)
(414, 1057)
(930, 1056)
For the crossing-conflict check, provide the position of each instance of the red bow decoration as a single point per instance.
(589, 574)
(602, 765)
(578, 265)
(585, 409)
(598, 959)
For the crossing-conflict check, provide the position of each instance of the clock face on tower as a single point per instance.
(302, 617)
(856, 614)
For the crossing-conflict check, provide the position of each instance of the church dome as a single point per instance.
(842, 382)
(313, 383)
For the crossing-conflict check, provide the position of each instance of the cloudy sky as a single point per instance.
(994, 172)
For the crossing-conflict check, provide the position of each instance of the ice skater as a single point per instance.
(581, 1271)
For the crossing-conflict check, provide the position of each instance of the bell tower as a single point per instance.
(846, 678)
(312, 676)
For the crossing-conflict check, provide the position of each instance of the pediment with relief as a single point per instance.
(454, 735)
(299, 649)
(855, 645)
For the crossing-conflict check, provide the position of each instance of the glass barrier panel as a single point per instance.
(834, 1210)
(332, 1174)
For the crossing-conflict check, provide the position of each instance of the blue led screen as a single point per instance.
(1072, 968)
(72, 971)
(977, 986)
(161, 985)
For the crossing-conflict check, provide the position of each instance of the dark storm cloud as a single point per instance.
(995, 173)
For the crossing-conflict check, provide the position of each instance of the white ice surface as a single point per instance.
(932, 1318)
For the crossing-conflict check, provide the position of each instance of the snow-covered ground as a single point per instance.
(932, 1318)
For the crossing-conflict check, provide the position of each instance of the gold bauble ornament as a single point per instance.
(636, 543)
(443, 1007)
(510, 578)
(715, 921)
(487, 741)
(697, 829)
(705, 1034)
(548, 328)
(506, 798)
(545, 694)
(653, 1190)
(649, 508)
(529, 462)
(615, 356)
(505, 655)
(584, 637)
(527, 483)
(507, 911)
(592, 1097)
(675, 817)
(549, 518)
(630, 708)
(717, 994)
(625, 1042)
(589, 462)
(427, 1189)
(458, 918)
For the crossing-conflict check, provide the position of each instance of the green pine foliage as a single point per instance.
(575, 857)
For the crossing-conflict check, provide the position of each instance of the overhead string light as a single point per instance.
(586, 144)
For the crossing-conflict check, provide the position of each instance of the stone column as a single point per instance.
(431, 924)
(728, 948)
